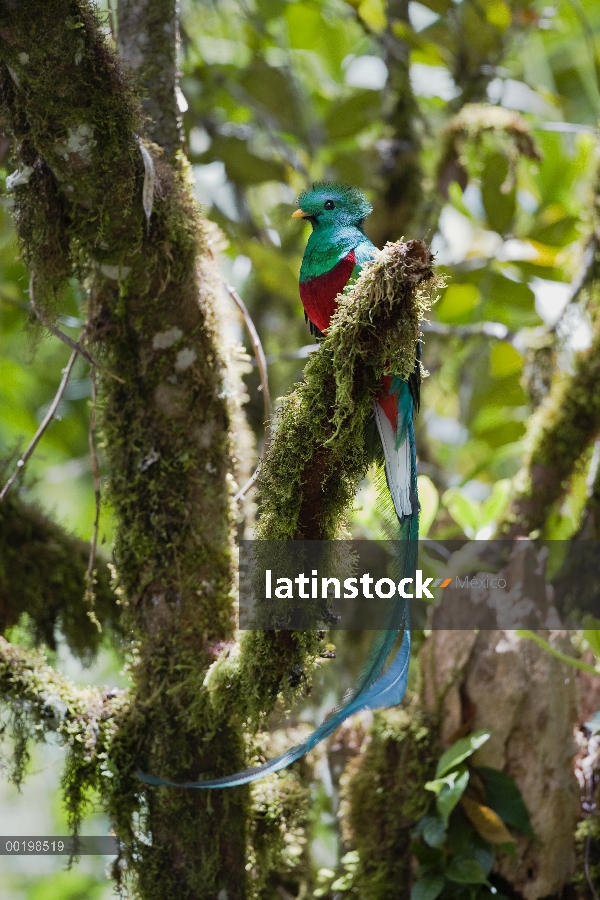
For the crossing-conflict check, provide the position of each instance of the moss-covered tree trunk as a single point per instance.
(87, 205)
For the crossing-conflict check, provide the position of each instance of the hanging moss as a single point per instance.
(74, 119)
(41, 701)
(384, 798)
(560, 431)
(51, 567)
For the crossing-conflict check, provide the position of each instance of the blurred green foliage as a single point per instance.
(278, 93)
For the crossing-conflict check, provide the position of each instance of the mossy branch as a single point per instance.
(318, 454)
(42, 574)
(562, 428)
(470, 126)
(74, 118)
(383, 799)
(42, 701)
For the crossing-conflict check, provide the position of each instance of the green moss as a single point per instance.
(561, 429)
(75, 119)
(384, 798)
(318, 453)
(277, 842)
(51, 582)
(310, 474)
(165, 427)
(41, 701)
(587, 849)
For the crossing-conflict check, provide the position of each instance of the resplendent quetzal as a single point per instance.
(336, 251)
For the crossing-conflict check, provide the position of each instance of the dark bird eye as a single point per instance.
(329, 204)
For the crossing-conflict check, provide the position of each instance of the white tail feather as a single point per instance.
(397, 464)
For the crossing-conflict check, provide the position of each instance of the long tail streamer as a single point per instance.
(372, 690)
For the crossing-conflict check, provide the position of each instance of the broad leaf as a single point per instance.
(465, 871)
(504, 797)
(427, 888)
(487, 822)
(449, 790)
(460, 751)
(432, 830)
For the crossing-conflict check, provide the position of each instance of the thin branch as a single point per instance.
(90, 575)
(582, 280)
(46, 421)
(111, 21)
(495, 330)
(261, 362)
(488, 329)
(74, 345)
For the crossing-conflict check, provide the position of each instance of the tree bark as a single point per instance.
(152, 322)
(147, 41)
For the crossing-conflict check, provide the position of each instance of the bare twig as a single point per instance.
(487, 329)
(46, 421)
(264, 379)
(111, 21)
(494, 330)
(90, 574)
(74, 345)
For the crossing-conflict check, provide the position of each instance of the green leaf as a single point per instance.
(429, 501)
(304, 25)
(465, 871)
(497, 502)
(449, 790)
(504, 360)
(593, 639)
(499, 207)
(427, 888)
(272, 89)
(498, 14)
(450, 795)
(428, 857)
(464, 511)
(348, 117)
(433, 831)
(457, 303)
(504, 797)
(372, 12)
(241, 165)
(460, 751)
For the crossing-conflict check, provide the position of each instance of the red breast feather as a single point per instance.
(318, 294)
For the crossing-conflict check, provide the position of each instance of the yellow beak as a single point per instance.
(300, 214)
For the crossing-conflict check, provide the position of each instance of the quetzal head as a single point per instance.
(333, 204)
